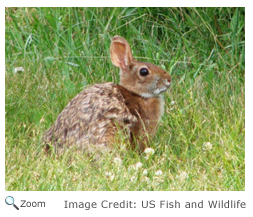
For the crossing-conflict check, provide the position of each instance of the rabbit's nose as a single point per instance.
(167, 76)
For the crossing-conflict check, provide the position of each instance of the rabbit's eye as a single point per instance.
(143, 71)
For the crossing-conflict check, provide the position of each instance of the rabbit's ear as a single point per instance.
(121, 54)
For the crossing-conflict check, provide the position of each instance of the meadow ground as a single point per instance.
(200, 142)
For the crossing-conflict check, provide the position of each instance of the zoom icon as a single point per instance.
(10, 201)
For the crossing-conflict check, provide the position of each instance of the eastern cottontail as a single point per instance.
(93, 117)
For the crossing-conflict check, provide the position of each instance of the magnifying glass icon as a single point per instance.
(10, 201)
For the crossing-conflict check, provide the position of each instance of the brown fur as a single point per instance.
(147, 112)
(92, 119)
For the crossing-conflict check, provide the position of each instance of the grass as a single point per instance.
(64, 49)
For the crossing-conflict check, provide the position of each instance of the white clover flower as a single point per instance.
(149, 151)
(133, 179)
(145, 172)
(172, 103)
(109, 175)
(183, 175)
(19, 69)
(158, 173)
(207, 146)
(138, 165)
(117, 161)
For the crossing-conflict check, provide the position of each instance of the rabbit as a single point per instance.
(92, 118)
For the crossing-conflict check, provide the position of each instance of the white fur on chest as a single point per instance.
(161, 105)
